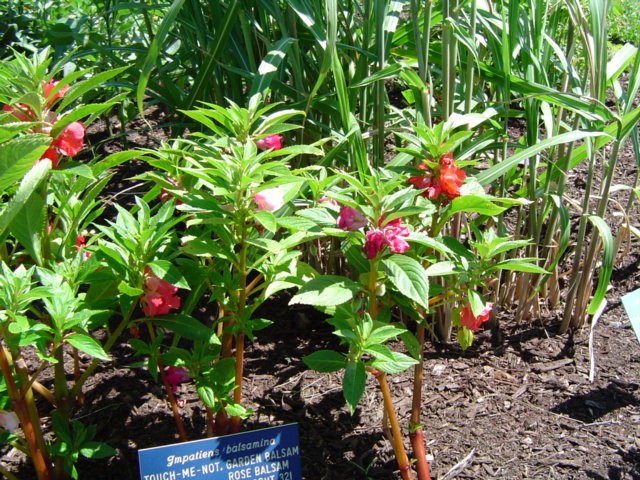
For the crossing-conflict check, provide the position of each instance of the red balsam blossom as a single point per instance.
(70, 140)
(445, 179)
(159, 296)
(473, 323)
(270, 142)
(47, 88)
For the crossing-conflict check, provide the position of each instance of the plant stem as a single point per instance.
(30, 426)
(415, 427)
(398, 446)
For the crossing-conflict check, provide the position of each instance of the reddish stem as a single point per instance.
(31, 431)
(398, 446)
(415, 427)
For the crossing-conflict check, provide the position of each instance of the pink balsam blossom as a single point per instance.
(159, 296)
(270, 142)
(70, 140)
(270, 199)
(350, 219)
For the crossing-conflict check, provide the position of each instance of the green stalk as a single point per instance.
(380, 93)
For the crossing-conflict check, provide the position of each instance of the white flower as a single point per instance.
(270, 199)
(9, 421)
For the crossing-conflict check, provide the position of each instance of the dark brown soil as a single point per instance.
(519, 408)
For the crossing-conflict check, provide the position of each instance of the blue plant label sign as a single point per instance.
(631, 302)
(267, 454)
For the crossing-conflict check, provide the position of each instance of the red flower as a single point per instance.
(52, 155)
(22, 112)
(69, 142)
(175, 376)
(473, 323)
(445, 179)
(48, 87)
(159, 296)
(451, 177)
(350, 219)
(273, 142)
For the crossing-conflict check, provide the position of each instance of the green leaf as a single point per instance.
(29, 183)
(269, 66)
(399, 363)
(608, 246)
(87, 344)
(382, 334)
(353, 383)
(127, 289)
(474, 204)
(325, 361)
(169, 273)
(465, 337)
(326, 290)
(518, 265)
(409, 278)
(207, 395)
(17, 156)
(499, 169)
(97, 450)
(187, 327)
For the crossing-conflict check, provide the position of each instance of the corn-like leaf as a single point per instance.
(607, 262)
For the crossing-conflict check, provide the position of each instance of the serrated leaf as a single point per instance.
(409, 278)
(325, 361)
(87, 344)
(474, 204)
(353, 383)
(326, 290)
(382, 334)
(187, 327)
(517, 265)
(17, 157)
(169, 273)
(124, 287)
(380, 352)
(207, 395)
(399, 363)
(97, 450)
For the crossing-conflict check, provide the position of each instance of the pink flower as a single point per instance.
(330, 202)
(350, 219)
(48, 87)
(375, 241)
(391, 234)
(270, 142)
(159, 296)
(175, 376)
(9, 421)
(270, 199)
(69, 142)
(473, 323)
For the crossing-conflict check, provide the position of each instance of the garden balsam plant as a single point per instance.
(369, 220)
(45, 266)
(236, 191)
